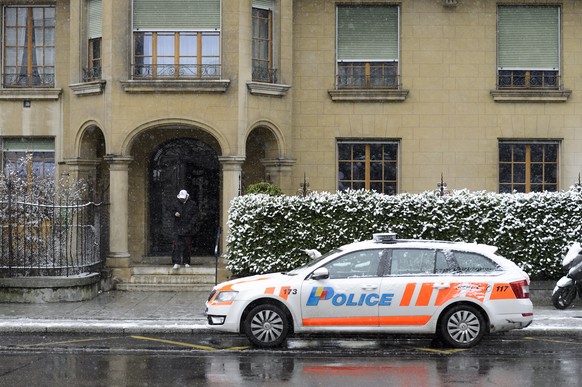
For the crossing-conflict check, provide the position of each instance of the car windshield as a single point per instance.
(313, 262)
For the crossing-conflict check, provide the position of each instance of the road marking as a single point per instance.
(70, 341)
(189, 345)
(441, 351)
(553, 341)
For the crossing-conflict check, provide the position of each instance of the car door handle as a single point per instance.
(441, 285)
(369, 287)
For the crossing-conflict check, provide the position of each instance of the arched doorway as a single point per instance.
(190, 164)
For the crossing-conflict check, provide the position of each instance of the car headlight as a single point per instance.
(225, 296)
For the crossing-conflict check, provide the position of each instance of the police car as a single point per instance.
(458, 291)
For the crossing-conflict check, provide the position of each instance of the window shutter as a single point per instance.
(151, 15)
(528, 37)
(263, 4)
(28, 144)
(367, 33)
(94, 18)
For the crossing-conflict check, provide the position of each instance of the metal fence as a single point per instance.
(57, 239)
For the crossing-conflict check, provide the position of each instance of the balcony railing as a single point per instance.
(171, 71)
(528, 79)
(25, 80)
(263, 74)
(91, 74)
(368, 75)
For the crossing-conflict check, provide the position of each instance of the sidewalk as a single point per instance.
(183, 312)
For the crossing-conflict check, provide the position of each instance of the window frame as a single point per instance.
(258, 72)
(368, 180)
(515, 77)
(33, 78)
(527, 163)
(357, 73)
(29, 149)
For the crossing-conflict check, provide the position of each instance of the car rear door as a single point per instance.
(349, 297)
(413, 278)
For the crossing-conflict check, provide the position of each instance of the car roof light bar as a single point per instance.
(388, 237)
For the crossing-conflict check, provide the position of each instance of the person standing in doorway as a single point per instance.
(185, 216)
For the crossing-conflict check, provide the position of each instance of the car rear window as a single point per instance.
(474, 263)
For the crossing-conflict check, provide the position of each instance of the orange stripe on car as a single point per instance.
(284, 292)
(404, 320)
(425, 294)
(502, 292)
(270, 291)
(365, 321)
(407, 296)
(341, 321)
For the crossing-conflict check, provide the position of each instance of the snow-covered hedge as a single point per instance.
(268, 233)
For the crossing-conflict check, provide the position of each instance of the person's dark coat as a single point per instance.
(186, 223)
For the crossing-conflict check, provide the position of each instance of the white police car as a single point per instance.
(458, 291)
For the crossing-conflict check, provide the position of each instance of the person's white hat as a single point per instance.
(183, 194)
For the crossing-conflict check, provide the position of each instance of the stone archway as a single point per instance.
(190, 164)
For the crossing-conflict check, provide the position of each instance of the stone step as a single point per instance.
(146, 277)
(164, 287)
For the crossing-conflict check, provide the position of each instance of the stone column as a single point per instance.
(279, 173)
(231, 186)
(118, 256)
(82, 169)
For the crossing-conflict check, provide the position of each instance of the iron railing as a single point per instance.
(24, 80)
(528, 79)
(174, 71)
(56, 239)
(264, 74)
(367, 75)
(91, 74)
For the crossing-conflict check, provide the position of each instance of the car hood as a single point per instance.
(254, 282)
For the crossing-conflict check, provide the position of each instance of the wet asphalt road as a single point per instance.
(227, 360)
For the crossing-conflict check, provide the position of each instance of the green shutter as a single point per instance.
(263, 4)
(176, 15)
(528, 37)
(28, 144)
(94, 18)
(367, 33)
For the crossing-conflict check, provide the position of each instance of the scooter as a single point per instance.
(569, 285)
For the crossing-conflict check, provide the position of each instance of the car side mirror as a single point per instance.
(320, 273)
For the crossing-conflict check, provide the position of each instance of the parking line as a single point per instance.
(69, 341)
(553, 341)
(441, 351)
(182, 344)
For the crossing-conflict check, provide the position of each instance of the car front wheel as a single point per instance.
(266, 325)
(462, 326)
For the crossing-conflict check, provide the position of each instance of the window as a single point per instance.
(528, 167)
(94, 28)
(367, 47)
(364, 263)
(177, 40)
(371, 166)
(263, 70)
(474, 263)
(29, 46)
(28, 158)
(412, 261)
(528, 47)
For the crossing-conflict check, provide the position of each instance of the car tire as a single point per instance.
(266, 326)
(563, 297)
(462, 326)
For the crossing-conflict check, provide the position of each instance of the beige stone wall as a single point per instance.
(449, 122)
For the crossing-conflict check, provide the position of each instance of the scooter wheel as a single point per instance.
(563, 297)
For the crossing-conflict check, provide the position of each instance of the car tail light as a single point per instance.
(520, 289)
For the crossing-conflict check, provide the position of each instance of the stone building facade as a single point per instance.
(144, 98)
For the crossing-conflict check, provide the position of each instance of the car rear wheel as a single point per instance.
(462, 326)
(266, 326)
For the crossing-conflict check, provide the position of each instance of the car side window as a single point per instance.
(412, 262)
(474, 263)
(364, 263)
